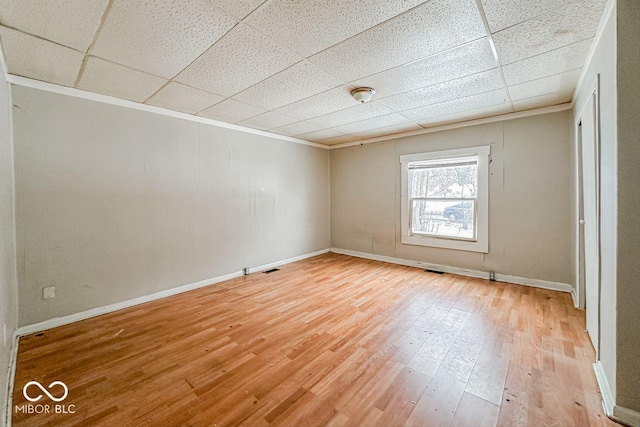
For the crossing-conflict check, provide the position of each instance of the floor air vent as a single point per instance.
(271, 271)
(434, 271)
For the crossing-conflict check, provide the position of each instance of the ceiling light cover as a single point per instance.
(363, 94)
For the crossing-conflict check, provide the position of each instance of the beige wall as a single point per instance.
(628, 271)
(8, 301)
(603, 63)
(114, 203)
(529, 209)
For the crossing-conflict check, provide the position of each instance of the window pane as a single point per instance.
(455, 181)
(444, 218)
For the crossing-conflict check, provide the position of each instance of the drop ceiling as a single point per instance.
(287, 67)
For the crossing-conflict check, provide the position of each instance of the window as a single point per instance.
(445, 199)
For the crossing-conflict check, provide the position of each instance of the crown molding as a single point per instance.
(608, 10)
(475, 122)
(77, 93)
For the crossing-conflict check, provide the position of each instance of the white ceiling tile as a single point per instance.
(266, 121)
(296, 82)
(547, 64)
(238, 8)
(389, 130)
(554, 84)
(296, 129)
(461, 61)
(478, 83)
(502, 14)
(457, 105)
(39, 59)
(573, 23)
(322, 103)
(352, 114)
(338, 140)
(231, 111)
(430, 61)
(160, 37)
(320, 135)
(428, 29)
(72, 23)
(506, 13)
(115, 80)
(179, 97)
(373, 123)
(543, 101)
(478, 113)
(307, 27)
(240, 59)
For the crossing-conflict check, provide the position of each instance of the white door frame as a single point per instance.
(580, 283)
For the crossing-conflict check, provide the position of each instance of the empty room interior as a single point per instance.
(320, 213)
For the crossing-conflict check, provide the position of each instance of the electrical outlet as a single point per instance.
(492, 276)
(49, 292)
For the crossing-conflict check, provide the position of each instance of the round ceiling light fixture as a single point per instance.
(363, 94)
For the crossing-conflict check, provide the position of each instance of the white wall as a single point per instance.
(115, 203)
(8, 301)
(529, 192)
(603, 62)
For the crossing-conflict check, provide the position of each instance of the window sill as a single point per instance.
(437, 242)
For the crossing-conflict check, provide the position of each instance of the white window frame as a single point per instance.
(481, 242)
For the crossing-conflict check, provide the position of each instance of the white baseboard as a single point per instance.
(554, 286)
(71, 318)
(536, 283)
(10, 380)
(607, 397)
(287, 261)
(615, 412)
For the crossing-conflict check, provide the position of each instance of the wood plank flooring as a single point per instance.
(333, 341)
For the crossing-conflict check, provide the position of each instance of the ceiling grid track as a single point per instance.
(493, 48)
(93, 42)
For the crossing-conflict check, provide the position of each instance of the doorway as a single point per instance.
(588, 168)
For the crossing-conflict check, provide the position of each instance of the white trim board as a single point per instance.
(71, 318)
(615, 412)
(3, 63)
(11, 379)
(13, 351)
(608, 9)
(574, 297)
(536, 283)
(605, 390)
(286, 261)
(77, 93)
(457, 125)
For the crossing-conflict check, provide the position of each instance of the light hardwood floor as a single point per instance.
(331, 340)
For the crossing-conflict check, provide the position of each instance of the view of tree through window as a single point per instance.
(443, 197)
